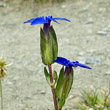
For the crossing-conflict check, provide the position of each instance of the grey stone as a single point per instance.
(88, 21)
(63, 6)
(107, 73)
(101, 32)
(102, 10)
(2, 4)
(81, 53)
(70, 97)
(104, 31)
(42, 92)
(92, 60)
(85, 8)
(9, 83)
(27, 98)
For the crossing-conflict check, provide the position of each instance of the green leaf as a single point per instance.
(54, 78)
(82, 106)
(61, 103)
(58, 89)
(47, 75)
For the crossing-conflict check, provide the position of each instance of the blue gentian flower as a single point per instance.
(67, 63)
(43, 20)
(46, 21)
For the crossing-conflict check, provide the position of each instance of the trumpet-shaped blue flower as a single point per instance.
(67, 63)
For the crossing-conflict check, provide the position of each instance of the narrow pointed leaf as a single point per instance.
(61, 103)
(47, 75)
(55, 79)
(59, 84)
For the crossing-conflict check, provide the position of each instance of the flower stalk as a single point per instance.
(1, 94)
(52, 88)
(2, 75)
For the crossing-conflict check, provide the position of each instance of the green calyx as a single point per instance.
(64, 85)
(48, 46)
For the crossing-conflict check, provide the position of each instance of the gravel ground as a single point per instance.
(86, 39)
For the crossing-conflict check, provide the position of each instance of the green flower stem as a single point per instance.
(1, 94)
(50, 73)
(53, 89)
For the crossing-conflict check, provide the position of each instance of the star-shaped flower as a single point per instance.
(43, 20)
(67, 63)
(46, 21)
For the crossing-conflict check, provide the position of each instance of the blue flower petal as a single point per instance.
(76, 63)
(73, 64)
(62, 19)
(82, 65)
(48, 17)
(62, 61)
(39, 20)
(67, 63)
(53, 19)
(29, 21)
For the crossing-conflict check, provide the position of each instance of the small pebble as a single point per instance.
(107, 73)
(91, 52)
(102, 10)
(9, 83)
(70, 97)
(42, 92)
(85, 8)
(92, 60)
(81, 53)
(101, 32)
(27, 98)
(104, 31)
(88, 21)
(63, 6)
(2, 4)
